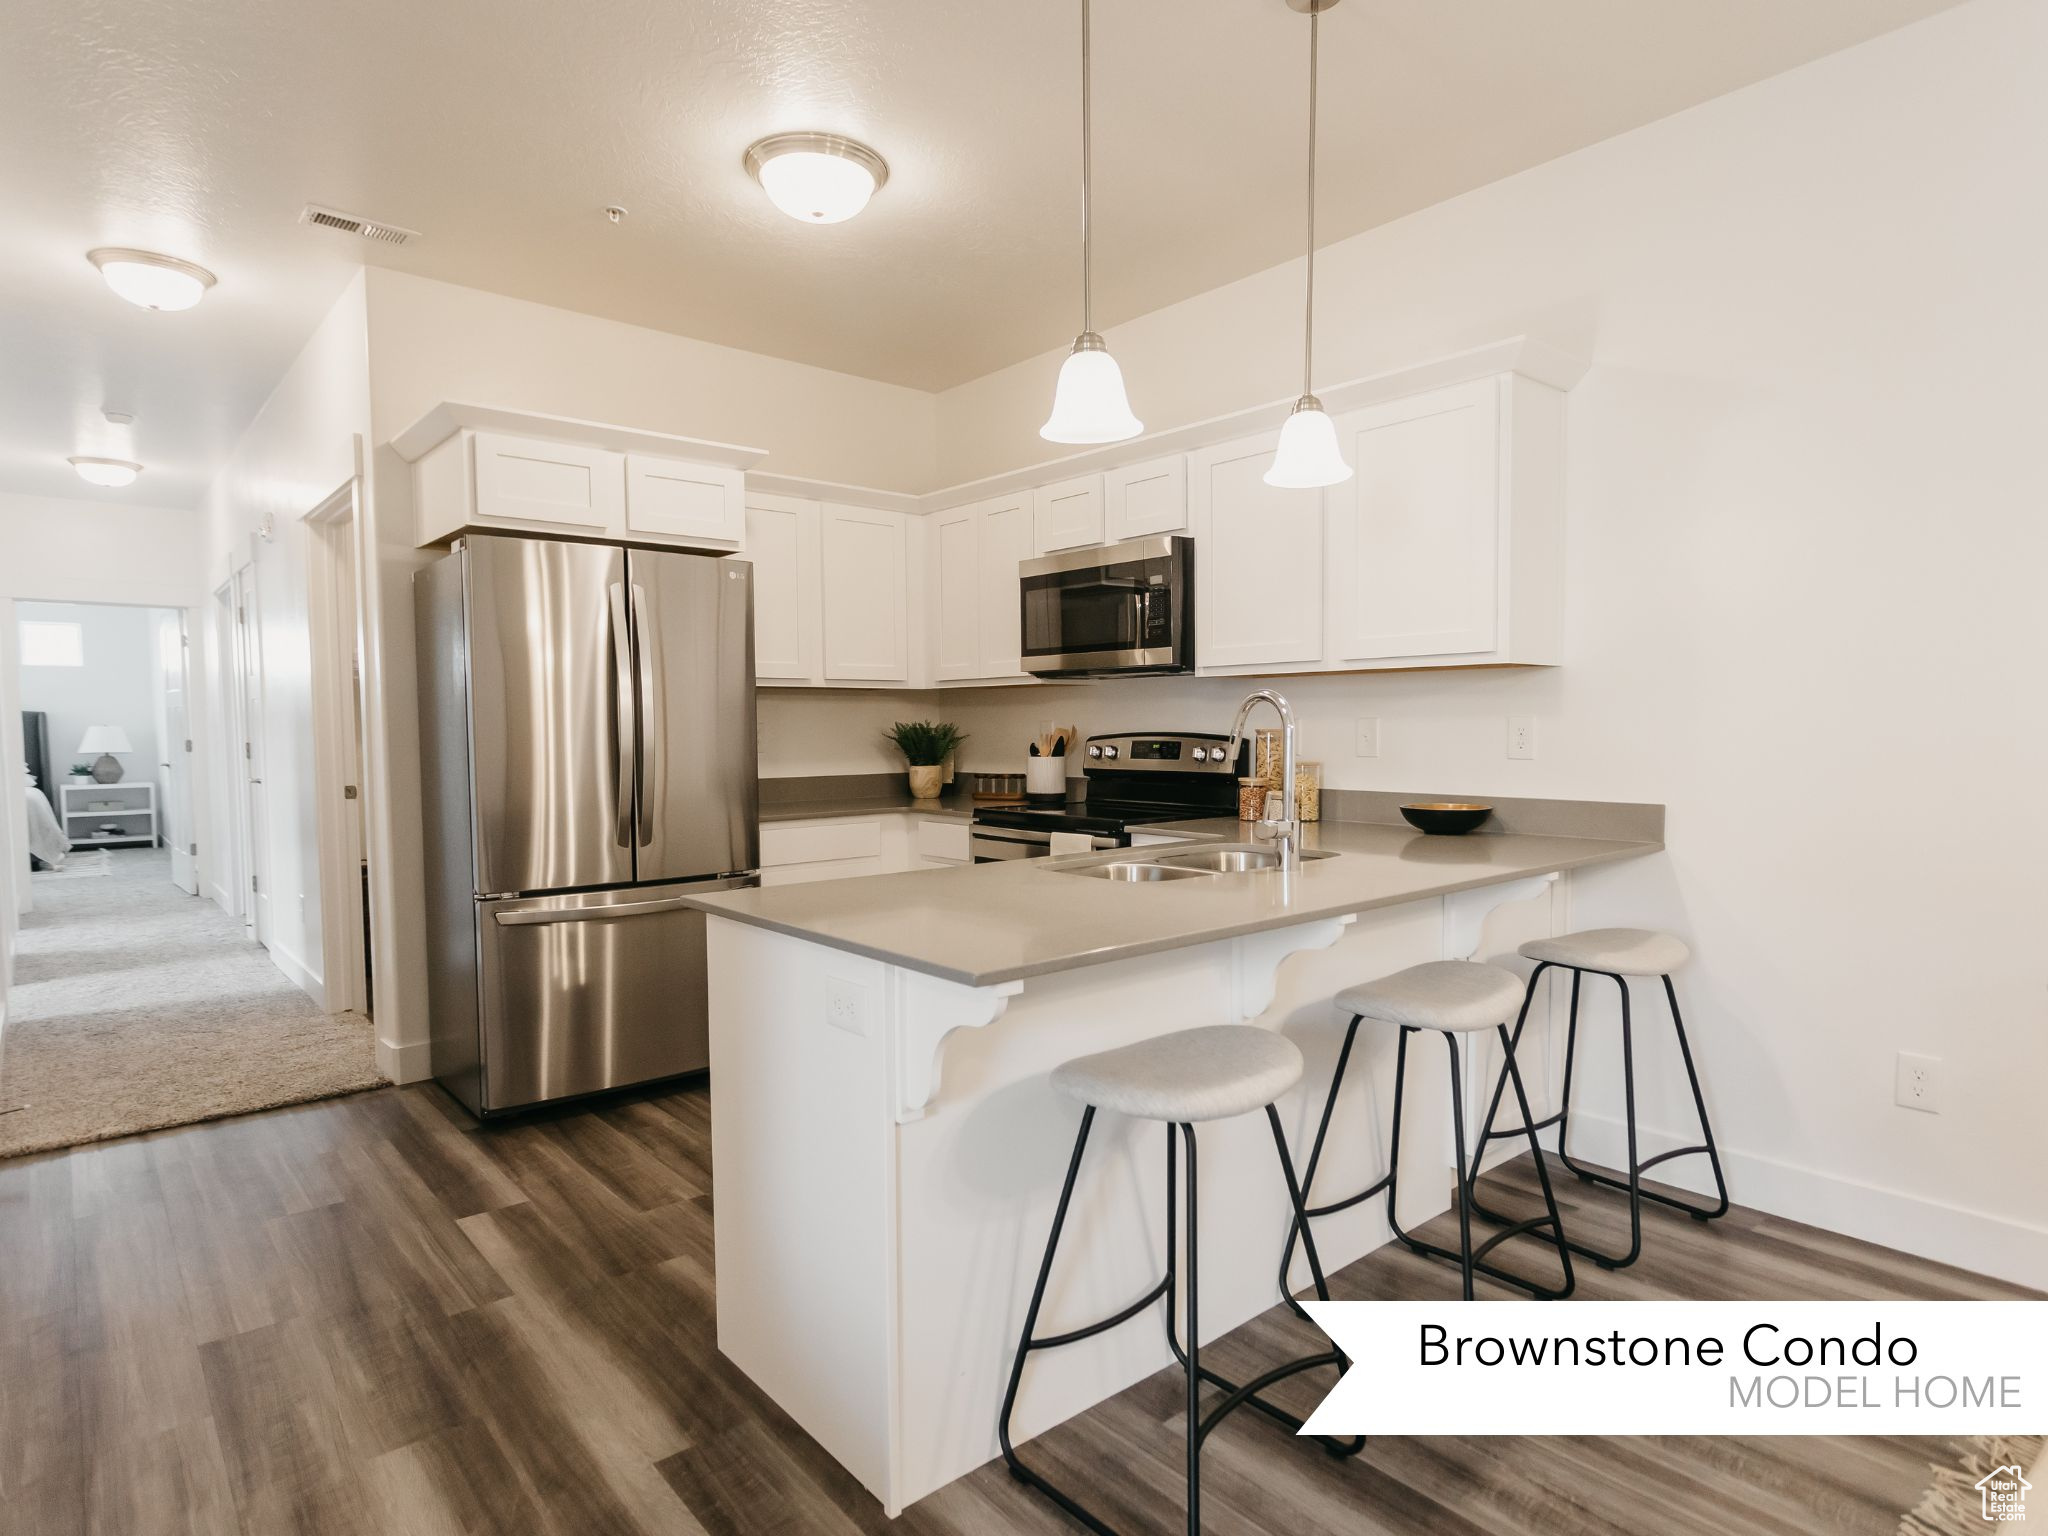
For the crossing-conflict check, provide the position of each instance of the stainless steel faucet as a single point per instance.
(1279, 825)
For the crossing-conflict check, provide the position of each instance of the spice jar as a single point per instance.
(1251, 799)
(1308, 791)
(1269, 757)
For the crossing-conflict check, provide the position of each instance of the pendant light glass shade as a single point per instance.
(1308, 457)
(1089, 404)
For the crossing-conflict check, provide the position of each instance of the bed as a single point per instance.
(46, 839)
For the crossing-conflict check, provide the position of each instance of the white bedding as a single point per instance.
(46, 839)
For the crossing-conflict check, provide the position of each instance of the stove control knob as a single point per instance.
(1095, 751)
(1201, 754)
(1109, 751)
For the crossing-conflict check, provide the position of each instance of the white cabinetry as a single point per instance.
(1258, 562)
(1446, 545)
(1067, 514)
(699, 504)
(782, 542)
(975, 552)
(838, 848)
(483, 468)
(1151, 497)
(866, 594)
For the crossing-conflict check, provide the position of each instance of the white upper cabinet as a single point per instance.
(1151, 497)
(1067, 515)
(483, 467)
(975, 552)
(782, 542)
(1446, 545)
(866, 578)
(521, 481)
(703, 505)
(1005, 544)
(1258, 562)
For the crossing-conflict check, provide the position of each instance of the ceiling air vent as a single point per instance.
(355, 224)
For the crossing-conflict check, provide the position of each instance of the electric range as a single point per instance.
(1132, 778)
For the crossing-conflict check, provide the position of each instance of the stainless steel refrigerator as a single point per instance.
(588, 755)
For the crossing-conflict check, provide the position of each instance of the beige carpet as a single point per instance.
(136, 1006)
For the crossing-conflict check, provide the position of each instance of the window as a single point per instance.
(48, 644)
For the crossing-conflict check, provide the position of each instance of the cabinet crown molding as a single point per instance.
(451, 416)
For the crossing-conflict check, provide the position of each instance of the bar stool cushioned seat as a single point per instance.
(1442, 994)
(1617, 951)
(1210, 1073)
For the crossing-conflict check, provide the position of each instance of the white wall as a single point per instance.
(117, 685)
(431, 342)
(300, 448)
(1806, 547)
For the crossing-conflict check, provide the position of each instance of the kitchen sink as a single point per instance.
(1133, 870)
(1231, 861)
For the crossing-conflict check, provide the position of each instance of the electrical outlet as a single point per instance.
(1368, 738)
(1919, 1083)
(846, 1005)
(1521, 736)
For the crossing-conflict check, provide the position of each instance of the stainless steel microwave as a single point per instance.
(1110, 609)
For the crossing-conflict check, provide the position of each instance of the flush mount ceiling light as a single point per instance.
(819, 178)
(1308, 456)
(150, 280)
(113, 473)
(1089, 404)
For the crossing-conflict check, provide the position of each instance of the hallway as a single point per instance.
(136, 1006)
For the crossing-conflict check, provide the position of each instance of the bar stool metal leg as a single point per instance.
(1308, 1176)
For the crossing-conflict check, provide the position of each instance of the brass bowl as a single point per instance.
(1446, 817)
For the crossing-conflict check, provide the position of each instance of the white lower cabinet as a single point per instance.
(866, 594)
(1258, 562)
(840, 848)
(975, 552)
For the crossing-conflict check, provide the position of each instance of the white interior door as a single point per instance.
(174, 775)
(248, 659)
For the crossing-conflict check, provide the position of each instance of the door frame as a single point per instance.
(335, 624)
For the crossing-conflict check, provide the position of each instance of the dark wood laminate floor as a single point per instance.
(370, 1316)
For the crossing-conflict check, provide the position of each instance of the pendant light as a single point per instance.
(1088, 403)
(1308, 456)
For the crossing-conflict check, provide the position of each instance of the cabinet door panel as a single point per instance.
(956, 572)
(1417, 528)
(523, 480)
(1258, 561)
(1005, 544)
(1067, 515)
(698, 503)
(866, 581)
(782, 542)
(1145, 498)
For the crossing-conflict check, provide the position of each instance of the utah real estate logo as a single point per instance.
(2005, 1494)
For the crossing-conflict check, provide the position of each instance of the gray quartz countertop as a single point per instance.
(982, 924)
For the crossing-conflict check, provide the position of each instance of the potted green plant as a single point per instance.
(925, 745)
(81, 771)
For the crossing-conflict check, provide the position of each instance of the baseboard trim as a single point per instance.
(403, 1063)
(300, 976)
(1978, 1241)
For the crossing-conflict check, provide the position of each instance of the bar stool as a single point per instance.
(1454, 998)
(1212, 1073)
(1617, 953)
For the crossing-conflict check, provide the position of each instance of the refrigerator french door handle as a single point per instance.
(526, 917)
(652, 735)
(623, 750)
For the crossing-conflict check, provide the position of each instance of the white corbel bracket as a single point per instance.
(924, 1010)
(1259, 956)
(1466, 912)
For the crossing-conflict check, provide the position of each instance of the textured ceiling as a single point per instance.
(500, 129)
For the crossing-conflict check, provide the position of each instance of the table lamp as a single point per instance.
(105, 740)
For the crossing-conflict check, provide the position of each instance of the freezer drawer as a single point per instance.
(583, 993)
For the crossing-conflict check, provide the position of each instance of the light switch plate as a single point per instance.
(1368, 738)
(1521, 736)
(846, 1005)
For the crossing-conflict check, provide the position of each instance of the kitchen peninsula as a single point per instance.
(888, 1151)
